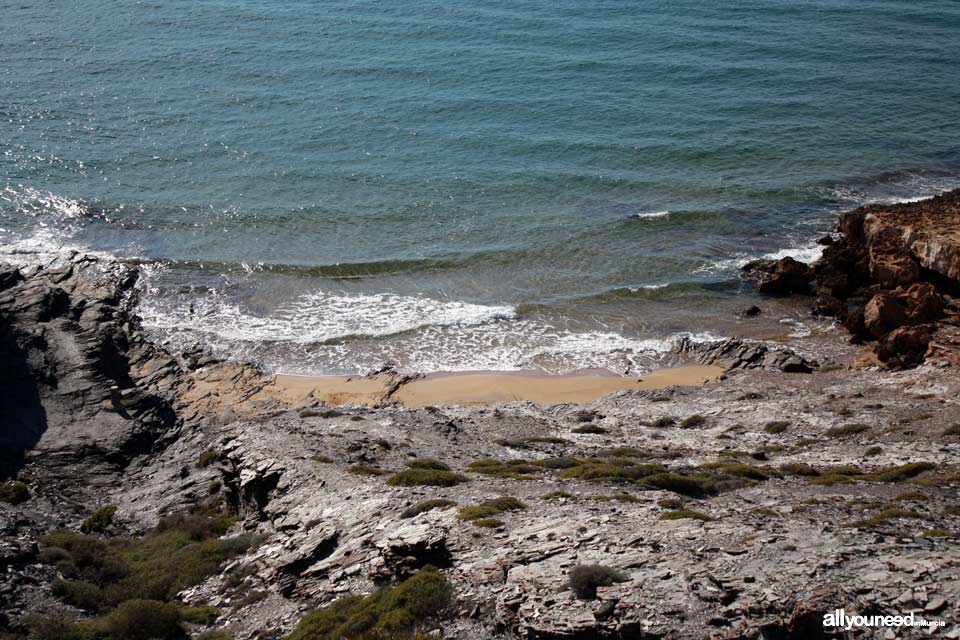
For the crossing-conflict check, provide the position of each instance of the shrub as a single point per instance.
(366, 470)
(505, 503)
(799, 469)
(776, 426)
(14, 492)
(99, 520)
(476, 512)
(684, 485)
(911, 496)
(902, 472)
(487, 523)
(47, 628)
(558, 463)
(546, 440)
(320, 413)
(846, 430)
(693, 421)
(752, 395)
(102, 573)
(144, 620)
(670, 503)
(936, 533)
(765, 512)
(207, 458)
(214, 487)
(611, 471)
(515, 469)
(319, 457)
(428, 505)
(590, 428)
(585, 578)
(743, 470)
(558, 495)
(873, 451)
(685, 514)
(427, 463)
(883, 517)
(425, 478)
(665, 421)
(386, 613)
(204, 616)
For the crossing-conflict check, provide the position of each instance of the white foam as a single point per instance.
(652, 214)
(807, 253)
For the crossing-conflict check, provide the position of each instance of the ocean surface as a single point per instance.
(324, 187)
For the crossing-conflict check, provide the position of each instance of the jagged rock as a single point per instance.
(780, 277)
(735, 353)
(751, 311)
(923, 302)
(906, 346)
(883, 314)
(828, 306)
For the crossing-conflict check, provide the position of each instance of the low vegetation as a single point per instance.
(685, 514)
(14, 492)
(776, 426)
(428, 505)
(883, 517)
(589, 428)
(419, 477)
(693, 421)
(366, 470)
(321, 458)
(489, 508)
(394, 612)
(207, 458)
(662, 423)
(846, 430)
(128, 583)
(524, 443)
(515, 469)
(585, 578)
(99, 520)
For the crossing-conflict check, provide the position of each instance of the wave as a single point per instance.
(652, 214)
(338, 271)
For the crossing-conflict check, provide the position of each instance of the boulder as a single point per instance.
(922, 301)
(780, 277)
(882, 314)
(905, 346)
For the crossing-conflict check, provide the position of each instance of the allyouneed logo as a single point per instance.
(839, 618)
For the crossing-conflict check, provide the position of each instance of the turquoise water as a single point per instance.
(527, 184)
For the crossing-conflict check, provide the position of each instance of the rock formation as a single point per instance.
(891, 277)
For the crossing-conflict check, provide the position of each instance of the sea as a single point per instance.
(328, 187)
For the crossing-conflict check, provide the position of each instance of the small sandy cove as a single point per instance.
(477, 388)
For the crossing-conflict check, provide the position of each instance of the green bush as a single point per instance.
(427, 463)
(901, 473)
(322, 459)
(585, 578)
(740, 470)
(425, 478)
(558, 463)
(685, 514)
(873, 451)
(100, 574)
(214, 487)
(622, 452)
(387, 613)
(665, 421)
(99, 520)
(515, 469)
(558, 495)
(48, 628)
(487, 509)
(589, 428)
(204, 616)
(476, 512)
(14, 492)
(144, 620)
(846, 430)
(428, 505)
(207, 458)
(776, 426)
(693, 421)
(799, 469)
(684, 485)
(487, 523)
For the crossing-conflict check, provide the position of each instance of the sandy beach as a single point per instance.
(478, 388)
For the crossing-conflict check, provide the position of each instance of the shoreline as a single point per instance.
(478, 388)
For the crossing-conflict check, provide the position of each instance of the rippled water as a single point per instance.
(493, 185)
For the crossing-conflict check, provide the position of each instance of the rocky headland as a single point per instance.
(158, 494)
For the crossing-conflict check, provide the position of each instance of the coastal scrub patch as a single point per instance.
(322, 459)
(686, 514)
(589, 428)
(873, 451)
(557, 463)
(207, 458)
(799, 469)
(776, 426)
(665, 421)
(693, 421)
(366, 470)
(427, 463)
(693, 486)
(524, 443)
(585, 578)
(14, 492)
(514, 469)
(487, 523)
(426, 478)
(610, 471)
(846, 430)
(99, 520)
(901, 473)
(911, 496)
(883, 517)
(489, 508)
(388, 613)
(425, 506)
(558, 495)
(742, 470)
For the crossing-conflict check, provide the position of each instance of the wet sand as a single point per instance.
(478, 388)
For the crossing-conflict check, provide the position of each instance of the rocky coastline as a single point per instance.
(744, 509)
